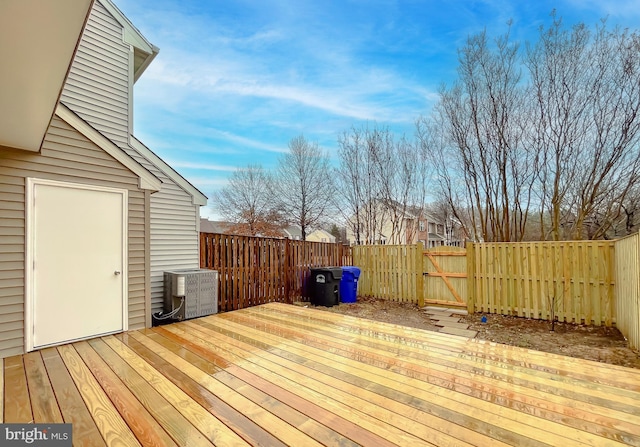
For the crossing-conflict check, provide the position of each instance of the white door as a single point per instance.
(77, 251)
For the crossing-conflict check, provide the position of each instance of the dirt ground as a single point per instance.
(601, 344)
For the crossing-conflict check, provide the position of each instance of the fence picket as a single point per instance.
(627, 299)
(596, 282)
(254, 270)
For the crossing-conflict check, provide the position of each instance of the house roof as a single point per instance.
(409, 212)
(323, 233)
(198, 197)
(39, 42)
(293, 232)
(144, 51)
(147, 179)
(214, 226)
(320, 234)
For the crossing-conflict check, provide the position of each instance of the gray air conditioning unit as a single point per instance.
(190, 293)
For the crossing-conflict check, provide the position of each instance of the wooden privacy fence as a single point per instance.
(255, 270)
(627, 276)
(392, 272)
(411, 274)
(572, 279)
(445, 276)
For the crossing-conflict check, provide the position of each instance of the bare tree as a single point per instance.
(586, 91)
(629, 220)
(451, 192)
(382, 184)
(403, 175)
(304, 188)
(360, 189)
(484, 122)
(247, 202)
(567, 142)
(350, 177)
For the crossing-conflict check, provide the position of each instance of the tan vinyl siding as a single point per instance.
(174, 235)
(98, 85)
(66, 156)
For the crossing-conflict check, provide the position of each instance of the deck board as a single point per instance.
(17, 407)
(113, 429)
(74, 411)
(43, 401)
(148, 431)
(278, 374)
(542, 404)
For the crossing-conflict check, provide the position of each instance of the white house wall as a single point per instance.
(98, 90)
(98, 87)
(174, 232)
(66, 156)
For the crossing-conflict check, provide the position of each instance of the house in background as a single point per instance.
(214, 226)
(386, 223)
(90, 217)
(293, 232)
(391, 224)
(262, 229)
(321, 236)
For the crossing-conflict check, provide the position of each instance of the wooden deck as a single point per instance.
(284, 375)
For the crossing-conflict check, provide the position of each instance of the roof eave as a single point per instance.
(198, 198)
(43, 37)
(133, 37)
(146, 179)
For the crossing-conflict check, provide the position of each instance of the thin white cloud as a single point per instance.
(202, 166)
(207, 183)
(249, 142)
(627, 9)
(352, 98)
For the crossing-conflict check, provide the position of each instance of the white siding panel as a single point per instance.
(97, 87)
(174, 234)
(88, 165)
(98, 90)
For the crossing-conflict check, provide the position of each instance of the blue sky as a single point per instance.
(235, 80)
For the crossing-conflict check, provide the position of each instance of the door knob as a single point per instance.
(116, 272)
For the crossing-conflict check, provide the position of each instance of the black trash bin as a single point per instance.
(324, 286)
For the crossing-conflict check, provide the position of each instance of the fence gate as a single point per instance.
(445, 276)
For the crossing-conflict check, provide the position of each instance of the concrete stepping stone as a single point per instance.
(445, 319)
(460, 332)
(452, 325)
(442, 314)
(458, 311)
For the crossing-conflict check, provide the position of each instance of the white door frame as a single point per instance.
(30, 250)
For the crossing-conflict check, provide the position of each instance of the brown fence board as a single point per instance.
(254, 270)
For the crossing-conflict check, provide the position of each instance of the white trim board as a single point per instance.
(198, 198)
(147, 179)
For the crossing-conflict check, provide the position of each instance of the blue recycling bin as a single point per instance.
(349, 284)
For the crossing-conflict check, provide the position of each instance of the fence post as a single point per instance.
(203, 251)
(419, 274)
(287, 271)
(471, 281)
